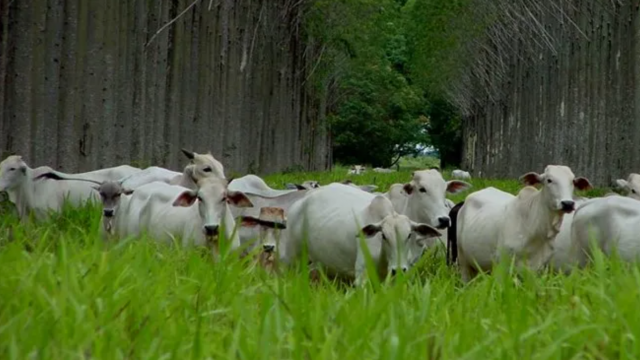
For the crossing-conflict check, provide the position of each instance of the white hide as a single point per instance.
(631, 186)
(612, 222)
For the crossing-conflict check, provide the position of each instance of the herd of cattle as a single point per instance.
(200, 206)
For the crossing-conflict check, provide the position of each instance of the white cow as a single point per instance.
(460, 174)
(631, 186)
(108, 174)
(270, 223)
(40, 197)
(492, 221)
(148, 175)
(330, 219)
(168, 211)
(356, 170)
(612, 223)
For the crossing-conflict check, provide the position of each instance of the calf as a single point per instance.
(270, 222)
(492, 221)
(39, 197)
(330, 220)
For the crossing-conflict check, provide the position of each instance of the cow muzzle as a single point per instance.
(443, 222)
(211, 230)
(395, 271)
(567, 206)
(108, 212)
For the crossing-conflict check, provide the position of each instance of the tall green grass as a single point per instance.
(64, 294)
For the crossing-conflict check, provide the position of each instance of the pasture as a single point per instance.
(65, 294)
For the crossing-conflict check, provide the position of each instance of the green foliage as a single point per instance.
(377, 116)
(66, 295)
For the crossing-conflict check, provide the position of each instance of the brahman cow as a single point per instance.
(631, 186)
(39, 197)
(492, 222)
(330, 219)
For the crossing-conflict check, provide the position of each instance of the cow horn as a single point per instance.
(189, 154)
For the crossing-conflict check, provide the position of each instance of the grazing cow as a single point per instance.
(115, 201)
(40, 197)
(167, 212)
(383, 170)
(356, 170)
(492, 221)
(460, 174)
(330, 219)
(201, 166)
(612, 223)
(270, 222)
(631, 186)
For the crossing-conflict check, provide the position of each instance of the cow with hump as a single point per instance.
(492, 222)
(330, 220)
(39, 197)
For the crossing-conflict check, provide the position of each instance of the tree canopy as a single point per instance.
(383, 77)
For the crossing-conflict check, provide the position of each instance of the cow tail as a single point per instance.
(452, 235)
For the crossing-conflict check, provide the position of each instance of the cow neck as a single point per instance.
(540, 222)
(24, 194)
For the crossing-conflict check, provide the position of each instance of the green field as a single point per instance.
(64, 294)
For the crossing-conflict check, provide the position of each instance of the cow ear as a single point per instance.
(371, 230)
(425, 230)
(238, 199)
(457, 186)
(623, 184)
(188, 154)
(186, 199)
(408, 188)
(582, 183)
(249, 221)
(531, 178)
(127, 191)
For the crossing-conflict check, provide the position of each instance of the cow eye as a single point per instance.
(423, 190)
(549, 181)
(12, 169)
(633, 191)
(207, 169)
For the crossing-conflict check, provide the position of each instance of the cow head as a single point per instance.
(213, 199)
(631, 186)
(402, 239)
(270, 222)
(13, 171)
(558, 183)
(427, 196)
(203, 166)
